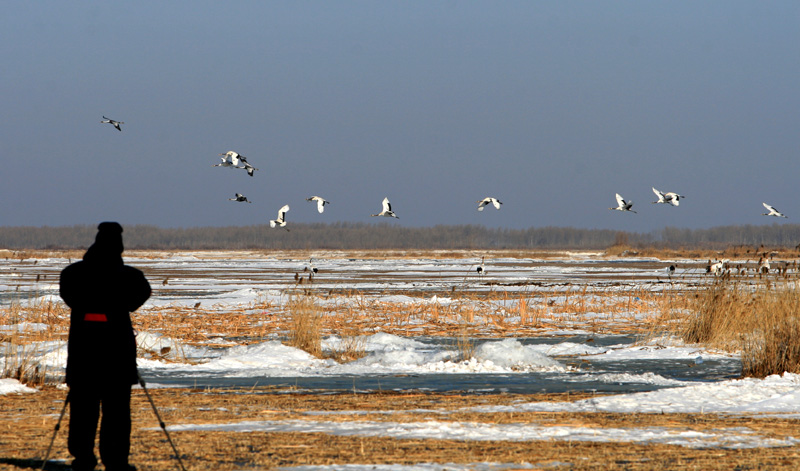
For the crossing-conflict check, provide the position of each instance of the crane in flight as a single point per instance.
(667, 198)
(281, 219)
(240, 198)
(110, 121)
(250, 169)
(387, 210)
(489, 200)
(229, 159)
(773, 212)
(623, 205)
(321, 202)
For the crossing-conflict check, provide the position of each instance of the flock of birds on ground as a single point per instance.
(232, 159)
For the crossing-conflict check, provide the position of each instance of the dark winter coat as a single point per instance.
(102, 293)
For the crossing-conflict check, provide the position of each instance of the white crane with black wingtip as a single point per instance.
(387, 210)
(246, 165)
(773, 212)
(281, 219)
(489, 200)
(623, 205)
(250, 169)
(229, 159)
(667, 198)
(321, 202)
(110, 121)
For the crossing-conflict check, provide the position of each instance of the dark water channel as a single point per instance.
(588, 375)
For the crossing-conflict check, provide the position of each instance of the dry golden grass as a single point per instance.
(752, 314)
(305, 319)
(52, 322)
(727, 317)
(305, 331)
(27, 421)
(760, 320)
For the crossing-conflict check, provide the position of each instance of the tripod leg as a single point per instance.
(161, 423)
(55, 431)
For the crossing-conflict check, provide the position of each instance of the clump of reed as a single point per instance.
(308, 323)
(21, 363)
(21, 355)
(352, 347)
(305, 328)
(465, 345)
(758, 318)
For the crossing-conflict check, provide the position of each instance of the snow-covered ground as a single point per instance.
(654, 376)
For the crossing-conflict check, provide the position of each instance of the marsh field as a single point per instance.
(417, 360)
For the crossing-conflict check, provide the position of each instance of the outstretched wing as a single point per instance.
(387, 206)
(659, 194)
(282, 213)
(496, 203)
(620, 201)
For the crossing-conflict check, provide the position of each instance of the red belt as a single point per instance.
(94, 317)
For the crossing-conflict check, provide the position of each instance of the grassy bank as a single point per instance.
(755, 315)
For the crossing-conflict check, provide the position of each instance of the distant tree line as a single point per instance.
(355, 236)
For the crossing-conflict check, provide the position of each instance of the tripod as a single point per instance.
(155, 410)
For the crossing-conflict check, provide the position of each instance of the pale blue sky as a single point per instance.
(552, 107)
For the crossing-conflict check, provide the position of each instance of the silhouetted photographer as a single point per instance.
(101, 354)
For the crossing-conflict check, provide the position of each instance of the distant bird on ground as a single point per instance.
(281, 220)
(671, 197)
(110, 121)
(321, 202)
(240, 198)
(484, 202)
(763, 265)
(623, 205)
(311, 266)
(387, 210)
(481, 270)
(230, 159)
(670, 271)
(717, 268)
(773, 212)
